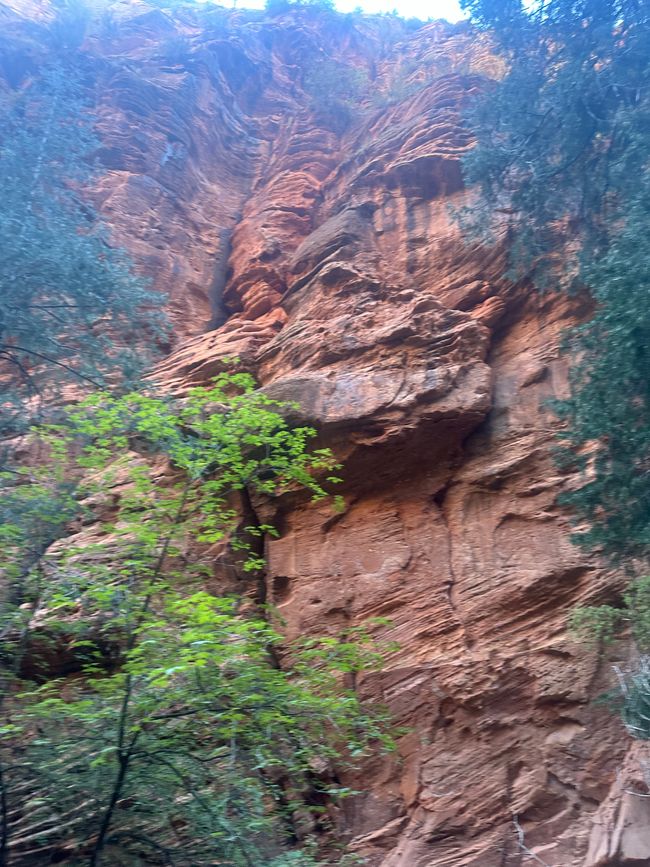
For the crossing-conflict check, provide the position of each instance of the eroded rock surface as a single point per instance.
(326, 258)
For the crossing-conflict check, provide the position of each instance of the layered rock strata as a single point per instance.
(325, 257)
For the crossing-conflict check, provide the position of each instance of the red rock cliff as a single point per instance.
(324, 255)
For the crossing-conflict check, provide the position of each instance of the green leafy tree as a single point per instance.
(563, 166)
(67, 297)
(180, 739)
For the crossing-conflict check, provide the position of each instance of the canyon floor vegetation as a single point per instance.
(146, 719)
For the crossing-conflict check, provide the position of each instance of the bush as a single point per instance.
(180, 735)
(335, 91)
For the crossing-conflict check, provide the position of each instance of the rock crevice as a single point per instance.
(328, 261)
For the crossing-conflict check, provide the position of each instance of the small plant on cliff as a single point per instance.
(604, 623)
(335, 90)
(71, 309)
(186, 732)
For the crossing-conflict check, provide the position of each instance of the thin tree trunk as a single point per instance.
(125, 754)
(4, 820)
(14, 669)
(124, 760)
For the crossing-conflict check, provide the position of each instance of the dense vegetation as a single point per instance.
(563, 157)
(70, 303)
(563, 160)
(164, 730)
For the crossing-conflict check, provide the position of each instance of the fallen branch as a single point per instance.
(522, 842)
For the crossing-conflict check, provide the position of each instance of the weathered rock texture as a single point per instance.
(325, 257)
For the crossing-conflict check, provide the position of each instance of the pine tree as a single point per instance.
(71, 309)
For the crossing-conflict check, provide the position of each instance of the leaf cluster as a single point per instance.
(335, 91)
(71, 308)
(180, 739)
(563, 165)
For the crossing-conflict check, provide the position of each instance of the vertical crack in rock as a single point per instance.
(219, 312)
(328, 262)
(442, 501)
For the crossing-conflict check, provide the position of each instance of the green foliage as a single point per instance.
(605, 622)
(181, 740)
(608, 412)
(563, 163)
(597, 622)
(561, 138)
(67, 297)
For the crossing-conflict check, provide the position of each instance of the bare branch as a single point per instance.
(522, 844)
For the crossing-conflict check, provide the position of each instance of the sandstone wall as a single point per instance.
(326, 258)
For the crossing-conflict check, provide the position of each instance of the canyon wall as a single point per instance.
(316, 242)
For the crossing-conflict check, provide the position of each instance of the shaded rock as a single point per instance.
(349, 289)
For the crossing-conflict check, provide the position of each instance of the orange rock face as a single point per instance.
(325, 256)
